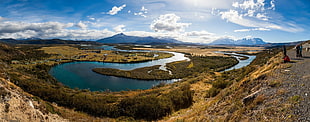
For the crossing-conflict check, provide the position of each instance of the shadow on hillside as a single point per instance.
(306, 57)
(290, 62)
(297, 59)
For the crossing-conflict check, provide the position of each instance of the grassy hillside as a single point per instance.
(246, 94)
(252, 93)
(35, 80)
(72, 53)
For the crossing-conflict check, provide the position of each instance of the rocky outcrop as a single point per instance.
(17, 105)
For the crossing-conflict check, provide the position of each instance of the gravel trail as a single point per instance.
(298, 84)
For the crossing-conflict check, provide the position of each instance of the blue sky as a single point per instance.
(200, 21)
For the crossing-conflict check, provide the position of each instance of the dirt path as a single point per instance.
(298, 84)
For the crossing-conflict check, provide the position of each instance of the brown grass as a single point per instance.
(73, 53)
(200, 51)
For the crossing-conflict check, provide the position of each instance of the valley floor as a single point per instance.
(274, 91)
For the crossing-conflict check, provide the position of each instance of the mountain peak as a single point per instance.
(120, 34)
(122, 38)
(244, 41)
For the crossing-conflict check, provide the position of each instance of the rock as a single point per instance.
(248, 99)
(18, 106)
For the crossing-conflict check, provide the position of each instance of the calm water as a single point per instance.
(242, 63)
(80, 74)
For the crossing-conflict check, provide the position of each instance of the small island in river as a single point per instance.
(174, 70)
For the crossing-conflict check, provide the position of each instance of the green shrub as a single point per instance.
(145, 107)
(154, 107)
(221, 84)
(295, 99)
(212, 92)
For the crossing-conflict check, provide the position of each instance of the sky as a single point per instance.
(198, 21)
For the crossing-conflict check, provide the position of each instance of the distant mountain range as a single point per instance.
(124, 39)
(45, 41)
(244, 41)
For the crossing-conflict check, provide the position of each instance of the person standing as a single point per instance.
(285, 57)
(300, 50)
(297, 50)
(284, 50)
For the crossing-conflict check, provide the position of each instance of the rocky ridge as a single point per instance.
(17, 105)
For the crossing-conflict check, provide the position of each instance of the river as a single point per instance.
(242, 63)
(80, 74)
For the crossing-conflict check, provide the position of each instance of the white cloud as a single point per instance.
(251, 8)
(169, 23)
(91, 18)
(220, 4)
(232, 16)
(251, 13)
(47, 30)
(263, 29)
(254, 29)
(81, 25)
(199, 33)
(119, 28)
(142, 12)
(116, 9)
(250, 4)
(193, 36)
(254, 13)
(262, 17)
(12, 27)
(84, 34)
(289, 27)
(273, 5)
(177, 36)
(143, 9)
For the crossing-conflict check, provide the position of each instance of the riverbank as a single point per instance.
(209, 50)
(56, 55)
(60, 53)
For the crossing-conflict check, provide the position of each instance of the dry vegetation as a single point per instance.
(73, 53)
(238, 95)
(252, 93)
(196, 65)
(34, 78)
(209, 50)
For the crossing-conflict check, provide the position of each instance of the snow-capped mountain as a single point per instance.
(244, 41)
